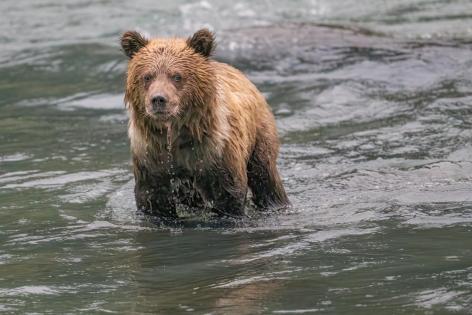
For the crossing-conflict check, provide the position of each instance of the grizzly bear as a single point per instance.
(201, 133)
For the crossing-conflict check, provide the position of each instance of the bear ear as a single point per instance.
(131, 42)
(203, 42)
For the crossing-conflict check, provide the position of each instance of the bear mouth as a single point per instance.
(159, 115)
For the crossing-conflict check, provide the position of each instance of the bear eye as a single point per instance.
(147, 78)
(177, 77)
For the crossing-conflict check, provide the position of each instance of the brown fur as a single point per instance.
(216, 134)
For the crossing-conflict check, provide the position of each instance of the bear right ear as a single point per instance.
(131, 42)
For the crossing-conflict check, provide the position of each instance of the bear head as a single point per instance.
(168, 77)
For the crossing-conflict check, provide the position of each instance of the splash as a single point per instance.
(169, 140)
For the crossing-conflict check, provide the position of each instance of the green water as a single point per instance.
(374, 113)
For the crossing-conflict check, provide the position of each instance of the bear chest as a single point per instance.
(184, 152)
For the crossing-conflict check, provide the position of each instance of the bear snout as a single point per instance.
(159, 103)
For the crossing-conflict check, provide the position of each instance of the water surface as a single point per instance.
(373, 104)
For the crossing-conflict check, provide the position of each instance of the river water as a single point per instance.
(373, 104)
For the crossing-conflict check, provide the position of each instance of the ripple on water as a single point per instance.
(79, 230)
(441, 296)
(61, 180)
(375, 157)
(97, 102)
(36, 290)
(14, 157)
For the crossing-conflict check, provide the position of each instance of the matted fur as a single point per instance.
(218, 127)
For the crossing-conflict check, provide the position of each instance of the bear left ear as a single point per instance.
(202, 42)
(131, 42)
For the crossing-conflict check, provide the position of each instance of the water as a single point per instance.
(373, 103)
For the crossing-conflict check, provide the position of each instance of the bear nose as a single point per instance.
(158, 102)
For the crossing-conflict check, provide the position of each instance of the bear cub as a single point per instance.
(201, 133)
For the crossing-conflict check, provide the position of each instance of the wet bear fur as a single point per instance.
(200, 132)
